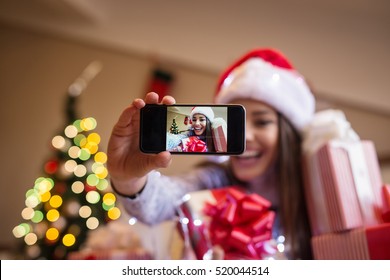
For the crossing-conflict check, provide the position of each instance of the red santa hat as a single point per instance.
(266, 75)
(207, 111)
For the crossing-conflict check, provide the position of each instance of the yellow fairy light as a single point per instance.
(101, 157)
(68, 240)
(92, 223)
(45, 196)
(52, 215)
(52, 234)
(92, 147)
(77, 187)
(94, 138)
(88, 124)
(101, 172)
(31, 238)
(114, 213)
(109, 198)
(55, 201)
(58, 142)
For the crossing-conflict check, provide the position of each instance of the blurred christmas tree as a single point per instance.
(174, 127)
(72, 196)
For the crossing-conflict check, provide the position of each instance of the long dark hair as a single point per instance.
(293, 212)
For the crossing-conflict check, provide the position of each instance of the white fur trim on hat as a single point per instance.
(283, 89)
(207, 111)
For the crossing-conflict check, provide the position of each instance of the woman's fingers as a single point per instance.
(168, 100)
(151, 98)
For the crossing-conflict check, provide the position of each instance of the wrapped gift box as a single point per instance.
(193, 144)
(219, 132)
(367, 243)
(239, 223)
(386, 203)
(343, 186)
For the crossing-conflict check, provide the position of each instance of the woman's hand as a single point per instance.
(126, 164)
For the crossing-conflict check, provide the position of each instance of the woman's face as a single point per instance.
(261, 140)
(199, 122)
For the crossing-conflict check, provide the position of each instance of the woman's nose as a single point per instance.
(248, 132)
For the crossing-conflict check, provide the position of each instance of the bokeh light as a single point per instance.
(58, 142)
(31, 238)
(52, 215)
(68, 240)
(93, 197)
(70, 131)
(28, 213)
(100, 157)
(38, 217)
(52, 234)
(114, 213)
(55, 201)
(92, 223)
(21, 230)
(80, 170)
(85, 211)
(77, 187)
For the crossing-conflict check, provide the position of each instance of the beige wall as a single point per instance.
(35, 71)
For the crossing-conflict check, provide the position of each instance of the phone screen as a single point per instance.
(193, 129)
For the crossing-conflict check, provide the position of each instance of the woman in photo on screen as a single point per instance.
(199, 136)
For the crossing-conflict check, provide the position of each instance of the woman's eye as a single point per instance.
(262, 123)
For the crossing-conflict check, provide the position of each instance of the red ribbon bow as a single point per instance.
(194, 144)
(240, 223)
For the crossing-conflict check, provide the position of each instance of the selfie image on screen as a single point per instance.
(198, 129)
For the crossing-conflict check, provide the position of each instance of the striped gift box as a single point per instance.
(343, 187)
(366, 243)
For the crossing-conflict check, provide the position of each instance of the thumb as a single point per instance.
(163, 159)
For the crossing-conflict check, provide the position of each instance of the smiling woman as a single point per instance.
(279, 104)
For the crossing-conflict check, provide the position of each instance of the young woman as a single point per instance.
(199, 137)
(278, 104)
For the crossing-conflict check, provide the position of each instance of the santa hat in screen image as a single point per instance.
(207, 111)
(266, 75)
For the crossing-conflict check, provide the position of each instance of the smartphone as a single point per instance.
(193, 129)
